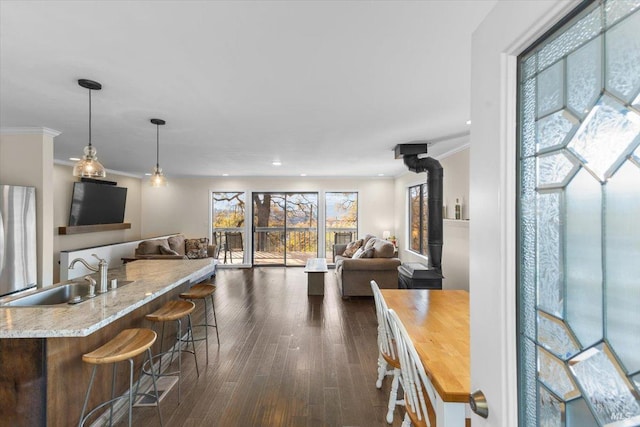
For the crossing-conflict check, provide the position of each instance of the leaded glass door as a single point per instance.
(579, 243)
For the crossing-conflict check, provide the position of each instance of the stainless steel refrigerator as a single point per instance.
(18, 245)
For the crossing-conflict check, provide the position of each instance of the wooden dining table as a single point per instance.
(438, 323)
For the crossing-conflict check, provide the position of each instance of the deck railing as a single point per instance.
(269, 242)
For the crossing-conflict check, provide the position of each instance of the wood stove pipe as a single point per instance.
(434, 203)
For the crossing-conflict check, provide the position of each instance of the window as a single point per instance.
(579, 203)
(418, 219)
(341, 213)
(227, 228)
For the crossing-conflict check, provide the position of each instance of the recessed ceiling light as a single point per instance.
(277, 163)
(303, 174)
(225, 174)
(468, 122)
(380, 174)
(148, 174)
(74, 159)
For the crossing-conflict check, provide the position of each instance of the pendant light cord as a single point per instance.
(157, 146)
(89, 117)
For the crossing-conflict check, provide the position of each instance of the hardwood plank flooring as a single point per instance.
(285, 359)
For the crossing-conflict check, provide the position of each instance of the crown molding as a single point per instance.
(30, 131)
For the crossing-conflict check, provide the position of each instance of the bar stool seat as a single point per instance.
(200, 292)
(174, 310)
(128, 344)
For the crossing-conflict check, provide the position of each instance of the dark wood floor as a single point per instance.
(285, 359)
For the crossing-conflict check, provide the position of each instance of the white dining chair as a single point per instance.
(388, 356)
(418, 391)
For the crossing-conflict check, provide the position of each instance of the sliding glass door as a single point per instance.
(285, 228)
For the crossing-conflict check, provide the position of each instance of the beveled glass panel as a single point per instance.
(606, 136)
(549, 250)
(623, 265)
(636, 381)
(582, 31)
(554, 130)
(551, 89)
(579, 414)
(583, 252)
(553, 373)
(635, 158)
(551, 409)
(617, 9)
(622, 68)
(555, 170)
(528, 248)
(584, 77)
(529, 67)
(608, 392)
(554, 335)
(528, 132)
(528, 382)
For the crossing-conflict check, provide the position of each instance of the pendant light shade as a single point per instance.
(157, 178)
(89, 166)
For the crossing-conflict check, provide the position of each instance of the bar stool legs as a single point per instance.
(125, 346)
(203, 291)
(174, 310)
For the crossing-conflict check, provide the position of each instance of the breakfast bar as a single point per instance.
(42, 380)
(438, 323)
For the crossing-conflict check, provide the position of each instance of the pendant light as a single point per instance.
(157, 178)
(89, 166)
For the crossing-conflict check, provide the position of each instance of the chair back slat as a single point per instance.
(385, 333)
(414, 378)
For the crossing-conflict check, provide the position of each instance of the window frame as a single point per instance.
(423, 197)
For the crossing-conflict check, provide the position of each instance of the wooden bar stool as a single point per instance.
(173, 310)
(124, 346)
(201, 292)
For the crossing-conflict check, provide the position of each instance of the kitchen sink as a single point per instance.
(69, 293)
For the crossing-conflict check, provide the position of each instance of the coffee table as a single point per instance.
(315, 269)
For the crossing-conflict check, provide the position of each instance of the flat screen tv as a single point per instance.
(93, 203)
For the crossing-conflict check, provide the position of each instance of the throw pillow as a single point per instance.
(167, 251)
(363, 253)
(370, 243)
(358, 253)
(351, 249)
(176, 243)
(196, 248)
(366, 239)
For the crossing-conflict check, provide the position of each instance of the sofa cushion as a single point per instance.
(196, 248)
(351, 248)
(383, 249)
(167, 251)
(152, 247)
(176, 243)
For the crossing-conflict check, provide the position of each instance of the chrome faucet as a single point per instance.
(101, 268)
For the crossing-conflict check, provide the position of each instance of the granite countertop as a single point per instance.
(150, 279)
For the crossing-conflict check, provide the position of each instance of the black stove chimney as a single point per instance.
(410, 154)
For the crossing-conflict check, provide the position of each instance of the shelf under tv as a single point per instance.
(77, 229)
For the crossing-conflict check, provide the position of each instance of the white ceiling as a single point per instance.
(326, 87)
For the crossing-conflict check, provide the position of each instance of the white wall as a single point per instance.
(63, 180)
(183, 206)
(455, 249)
(508, 29)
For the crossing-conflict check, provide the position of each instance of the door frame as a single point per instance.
(286, 194)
